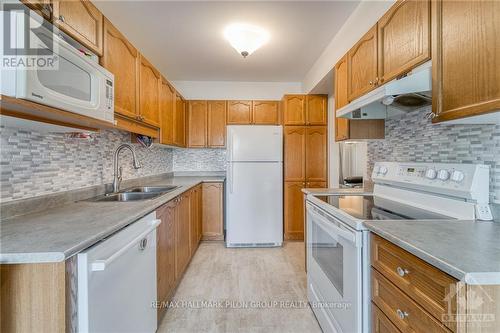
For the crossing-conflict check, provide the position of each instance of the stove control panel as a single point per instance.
(467, 181)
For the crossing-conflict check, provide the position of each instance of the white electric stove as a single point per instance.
(338, 257)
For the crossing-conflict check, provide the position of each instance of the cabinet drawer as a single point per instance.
(380, 322)
(406, 315)
(431, 288)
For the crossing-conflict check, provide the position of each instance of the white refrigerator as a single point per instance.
(254, 191)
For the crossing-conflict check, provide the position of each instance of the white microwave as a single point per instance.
(77, 83)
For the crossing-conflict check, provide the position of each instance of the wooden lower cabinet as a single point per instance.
(380, 322)
(177, 239)
(213, 211)
(294, 210)
(195, 218)
(165, 252)
(33, 297)
(182, 235)
(404, 312)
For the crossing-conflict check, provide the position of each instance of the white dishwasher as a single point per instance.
(117, 281)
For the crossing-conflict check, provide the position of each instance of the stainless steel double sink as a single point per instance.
(135, 193)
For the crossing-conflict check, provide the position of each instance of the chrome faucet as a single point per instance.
(117, 174)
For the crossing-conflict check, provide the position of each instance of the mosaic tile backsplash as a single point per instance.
(413, 138)
(34, 164)
(213, 159)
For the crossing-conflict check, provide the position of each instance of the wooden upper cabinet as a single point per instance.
(341, 99)
(149, 93)
(266, 113)
(294, 110)
(294, 153)
(465, 58)
(403, 38)
(197, 124)
(121, 58)
(42, 7)
(316, 109)
(362, 65)
(316, 154)
(179, 121)
(81, 20)
(216, 124)
(167, 94)
(239, 112)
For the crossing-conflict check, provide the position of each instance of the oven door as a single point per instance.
(75, 83)
(334, 271)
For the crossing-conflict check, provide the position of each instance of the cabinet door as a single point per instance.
(81, 20)
(380, 323)
(294, 110)
(165, 252)
(266, 112)
(213, 223)
(149, 93)
(197, 124)
(216, 124)
(183, 253)
(167, 113)
(179, 121)
(341, 99)
(465, 58)
(122, 59)
(316, 109)
(403, 38)
(362, 65)
(239, 112)
(294, 153)
(194, 218)
(42, 7)
(294, 210)
(316, 153)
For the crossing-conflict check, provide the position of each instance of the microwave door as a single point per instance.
(71, 84)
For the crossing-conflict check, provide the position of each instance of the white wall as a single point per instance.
(361, 20)
(236, 90)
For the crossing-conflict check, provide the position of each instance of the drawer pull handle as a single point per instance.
(402, 272)
(401, 314)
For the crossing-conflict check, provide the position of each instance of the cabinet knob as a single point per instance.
(402, 314)
(61, 18)
(402, 271)
(371, 83)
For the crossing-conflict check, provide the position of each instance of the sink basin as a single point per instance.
(150, 189)
(128, 196)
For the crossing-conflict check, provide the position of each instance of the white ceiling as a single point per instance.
(184, 39)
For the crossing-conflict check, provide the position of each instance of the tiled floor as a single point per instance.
(229, 280)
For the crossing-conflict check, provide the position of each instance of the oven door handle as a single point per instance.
(331, 226)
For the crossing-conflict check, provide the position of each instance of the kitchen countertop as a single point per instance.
(55, 234)
(466, 250)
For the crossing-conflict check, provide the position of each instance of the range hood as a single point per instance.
(401, 95)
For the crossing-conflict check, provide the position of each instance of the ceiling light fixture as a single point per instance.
(246, 38)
